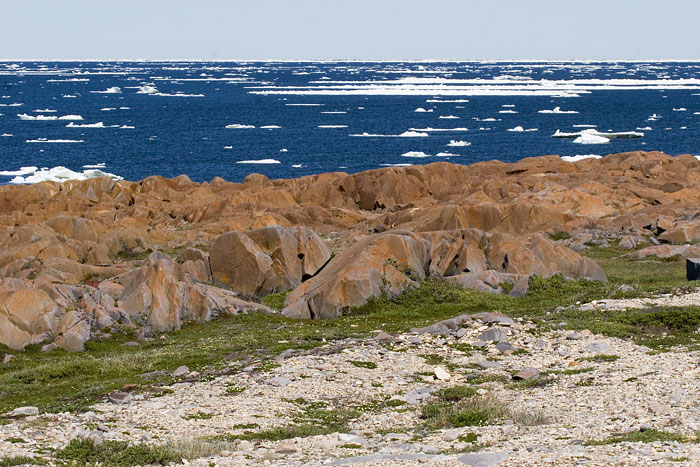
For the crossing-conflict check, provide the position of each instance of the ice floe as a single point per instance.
(431, 129)
(417, 154)
(335, 112)
(592, 132)
(405, 134)
(112, 90)
(37, 117)
(680, 109)
(580, 157)
(590, 138)
(90, 125)
(270, 127)
(519, 129)
(70, 117)
(404, 165)
(421, 109)
(58, 174)
(44, 111)
(457, 143)
(507, 111)
(260, 161)
(446, 154)
(239, 126)
(99, 165)
(18, 173)
(448, 117)
(332, 126)
(6, 134)
(556, 110)
(45, 140)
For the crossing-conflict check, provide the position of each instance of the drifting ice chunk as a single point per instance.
(418, 154)
(557, 110)
(112, 90)
(239, 126)
(456, 143)
(591, 138)
(260, 161)
(580, 157)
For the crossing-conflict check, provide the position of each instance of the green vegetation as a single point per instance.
(361, 364)
(462, 406)
(199, 416)
(601, 358)
(116, 454)
(20, 460)
(275, 300)
(648, 436)
(556, 236)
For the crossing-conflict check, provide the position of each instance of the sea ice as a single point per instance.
(588, 138)
(557, 110)
(332, 126)
(89, 125)
(418, 154)
(260, 161)
(112, 90)
(448, 116)
(44, 140)
(37, 117)
(59, 174)
(239, 126)
(457, 143)
(580, 157)
(270, 127)
(421, 109)
(446, 154)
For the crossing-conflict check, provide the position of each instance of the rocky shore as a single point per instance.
(85, 261)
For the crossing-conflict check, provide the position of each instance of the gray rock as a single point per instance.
(494, 334)
(625, 288)
(574, 336)
(598, 347)
(654, 241)
(644, 427)
(180, 371)
(383, 337)
(24, 412)
(284, 355)
(485, 364)
(495, 318)
(415, 396)
(504, 347)
(119, 397)
(483, 459)
(279, 381)
(348, 438)
(417, 340)
(460, 333)
(479, 344)
(527, 373)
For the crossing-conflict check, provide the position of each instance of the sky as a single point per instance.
(350, 29)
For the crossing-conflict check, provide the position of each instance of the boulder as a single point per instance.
(386, 263)
(27, 316)
(267, 260)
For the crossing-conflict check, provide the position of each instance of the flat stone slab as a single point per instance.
(483, 459)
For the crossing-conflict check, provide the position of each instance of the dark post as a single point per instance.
(692, 269)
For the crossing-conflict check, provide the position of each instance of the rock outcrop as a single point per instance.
(84, 246)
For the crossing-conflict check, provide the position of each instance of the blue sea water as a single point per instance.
(170, 118)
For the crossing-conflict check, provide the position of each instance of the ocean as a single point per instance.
(61, 120)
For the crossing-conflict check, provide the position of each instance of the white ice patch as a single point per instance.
(448, 117)
(680, 109)
(90, 125)
(580, 157)
(406, 165)
(335, 112)
(112, 90)
(457, 143)
(127, 127)
(507, 111)
(99, 165)
(584, 126)
(557, 110)
(270, 127)
(446, 154)
(45, 140)
(332, 126)
(70, 117)
(283, 150)
(453, 101)
(107, 109)
(44, 111)
(297, 166)
(588, 138)
(304, 105)
(646, 128)
(37, 117)
(521, 129)
(405, 134)
(592, 132)
(430, 129)
(6, 134)
(239, 126)
(58, 174)
(421, 109)
(418, 154)
(146, 89)
(260, 161)
(18, 173)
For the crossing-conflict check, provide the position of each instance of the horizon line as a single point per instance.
(334, 60)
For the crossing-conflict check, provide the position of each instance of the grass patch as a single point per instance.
(199, 416)
(117, 454)
(433, 359)
(361, 364)
(20, 460)
(647, 436)
(556, 236)
(275, 300)
(601, 358)
(461, 406)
